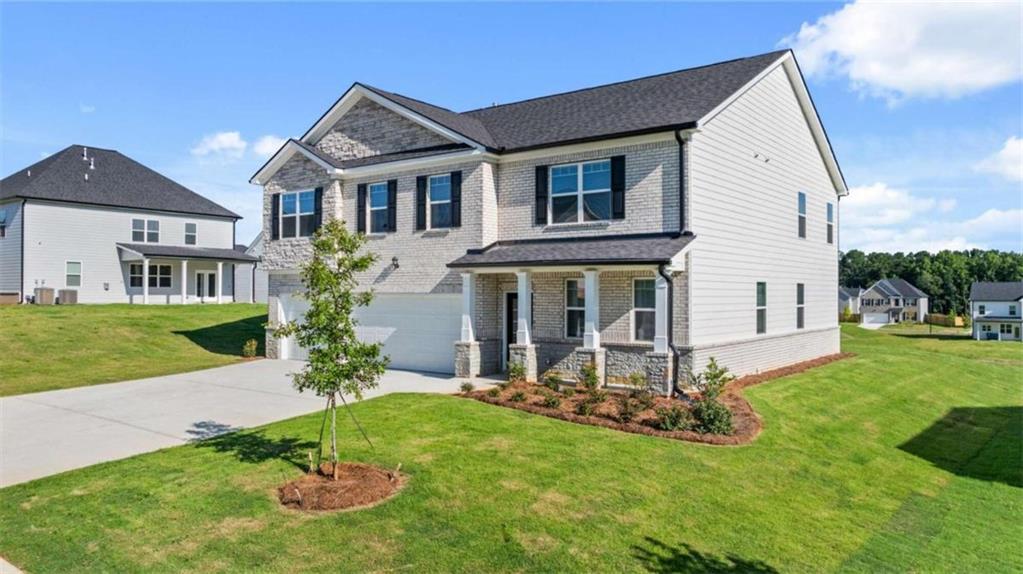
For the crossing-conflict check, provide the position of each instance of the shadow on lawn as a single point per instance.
(228, 338)
(253, 446)
(935, 336)
(658, 557)
(975, 442)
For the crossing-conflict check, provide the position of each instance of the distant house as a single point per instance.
(251, 279)
(995, 309)
(849, 298)
(893, 301)
(111, 230)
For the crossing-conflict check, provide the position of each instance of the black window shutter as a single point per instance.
(360, 209)
(318, 208)
(456, 199)
(541, 194)
(275, 217)
(392, 205)
(420, 203)
(618, 187)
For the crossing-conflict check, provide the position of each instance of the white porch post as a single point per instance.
(184, 281)
(468, 306)
(145, 281)
(220, 282)
(661, 315)
(591, 310)
(524, 334)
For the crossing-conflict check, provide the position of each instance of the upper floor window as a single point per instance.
(831, 223)
(298, 214)
(981, 310)
(378, 207)
(1012, 310)
(761, 307)
(580, 192)
(439, 193)
(73, 274)
(802, 215)
(643, 309)
(800, 308)
(145, 231)
(575, 308)
(3, 223)
(191, 234)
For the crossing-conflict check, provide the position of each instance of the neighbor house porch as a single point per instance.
(173, 274)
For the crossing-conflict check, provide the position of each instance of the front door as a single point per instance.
(205, 285)
(511, 323)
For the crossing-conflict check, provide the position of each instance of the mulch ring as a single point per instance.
(745, 421)
(358, 486)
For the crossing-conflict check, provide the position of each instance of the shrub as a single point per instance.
(517, 397)
(588, 377)
(597, 396)
(674, 418)
(712, 417)
(568, 393)
(249, 348)
(467, 387)
(516, 372)
(585, 408)
(494, 392)
(644, 397)
(638, 381)
(552, 381)
(628, 409)
(712, 380)
(550, 400)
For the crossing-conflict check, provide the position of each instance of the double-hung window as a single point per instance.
(73, 274)
(298, 214)
(802, 215)
(800, 309)
(643, 313)
(378, 207)
(152, 231)
(1005, 329)
(575, 308)
(1012, 310)
(135, 275)
(191, 234)
(159, 275)
(145, 231)
(580, 192)
(831, 223)
(761, 307)
(439, 190)
(981, 309)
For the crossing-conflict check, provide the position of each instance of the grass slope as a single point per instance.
(56, 347)
(904, 458)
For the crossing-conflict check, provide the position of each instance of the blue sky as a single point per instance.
(922, 102)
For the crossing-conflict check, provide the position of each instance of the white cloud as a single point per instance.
(223, 145)
(267, 145)
(1006, 162)
(896, 50)
(86, 108)
(881, 205)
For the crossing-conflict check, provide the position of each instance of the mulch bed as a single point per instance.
(745, 421)
(358, 486)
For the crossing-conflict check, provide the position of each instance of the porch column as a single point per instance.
(661, 315)
(524, 334)
(591, 310)
(145, 281)
(220, 282)
(468, 306)
(184, 281)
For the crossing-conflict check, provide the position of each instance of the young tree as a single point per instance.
(339, 363)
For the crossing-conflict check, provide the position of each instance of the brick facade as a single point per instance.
(370, 129)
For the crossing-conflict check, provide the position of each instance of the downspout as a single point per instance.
(24, 228)
(662, 269)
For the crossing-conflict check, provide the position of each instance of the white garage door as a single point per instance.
(875, 318)
(418, 331)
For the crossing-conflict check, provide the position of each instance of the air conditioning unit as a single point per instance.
(67, 296)
(44, 296)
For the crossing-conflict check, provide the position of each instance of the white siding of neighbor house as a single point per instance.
(744, 214)
(995, 308)
(10, 248)
(57, 233)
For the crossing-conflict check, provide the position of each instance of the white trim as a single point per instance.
(81, 274)
(282, 156)
(633, 309)
(668, 135)
(564, 294)
(370, 209)
(205, 297)
(298, 212)
(801, 210)
(580, 193)
(430, 202)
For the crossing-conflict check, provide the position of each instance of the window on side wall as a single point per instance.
(802, 215)
(138, 230)
(439, 194)
(831, 223)
(981, 310)
(761, 307)
(191, 234)
(378, 207)
(135, 275)
(73, 274)
(580, 192)
(1012, 310)
(575, 308)
(159, 275)
(298, 214)
(643, 309)
(800, 305)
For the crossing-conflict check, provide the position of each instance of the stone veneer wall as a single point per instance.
(370, 129)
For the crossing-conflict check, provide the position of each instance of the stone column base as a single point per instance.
(467, 359)
(524, 355)
(273, 346)
(659, 372)
(596, 357)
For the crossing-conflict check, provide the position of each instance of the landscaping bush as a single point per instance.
(597, 396)
(675, 418)
(569, 393)
(638, 381)
(517, 397)
(550, 400)
(467, 387)
(552, 381)
(249, 348)
(516, 372)
(712, 417)
(586, 407)
(588, 377)
(494, 392)
(628, 409)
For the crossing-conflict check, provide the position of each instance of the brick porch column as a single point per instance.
(524, 351)
(467, 349)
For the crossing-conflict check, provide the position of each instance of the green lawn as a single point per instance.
(904, 458)
(55, 347)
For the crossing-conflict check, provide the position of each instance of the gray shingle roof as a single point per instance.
(896, 287)
(996, 290)
(614, 250)
(463, 124)
(117, 181)
(176, 251)
(849, 292)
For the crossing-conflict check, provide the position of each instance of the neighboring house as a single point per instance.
(996, 309)
(99, 223)
(893, 301)
(250, 279)
(644, 226)
(849, 298)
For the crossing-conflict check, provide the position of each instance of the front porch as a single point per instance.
(171, 274)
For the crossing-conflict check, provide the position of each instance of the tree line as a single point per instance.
(945, 276)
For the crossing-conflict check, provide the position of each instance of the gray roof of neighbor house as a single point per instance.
(996, 290)
(179, 252)
(898, 288)
(114, 180)
(849, 292)
(650, 249)
(675, 100)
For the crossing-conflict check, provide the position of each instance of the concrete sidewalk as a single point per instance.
(51, 432)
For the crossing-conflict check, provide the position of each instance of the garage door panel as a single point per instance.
(875, 318)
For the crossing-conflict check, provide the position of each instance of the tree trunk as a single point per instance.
(333, 435)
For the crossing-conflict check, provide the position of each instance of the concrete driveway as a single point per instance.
(51, 432)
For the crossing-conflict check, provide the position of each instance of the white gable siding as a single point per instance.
(10, 248)
(744, 215)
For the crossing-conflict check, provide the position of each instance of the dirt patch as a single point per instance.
(357, 486)
(745, 421)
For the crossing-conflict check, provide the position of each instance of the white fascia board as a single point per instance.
(484, 270)
(668, 135)
(282, 156)
(414, 163)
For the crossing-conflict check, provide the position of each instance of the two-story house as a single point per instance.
(849, 298)
(997, 310)
(643, 226)
(114, 231)
(893, 301)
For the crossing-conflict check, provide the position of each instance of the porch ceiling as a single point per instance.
(620, 250)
